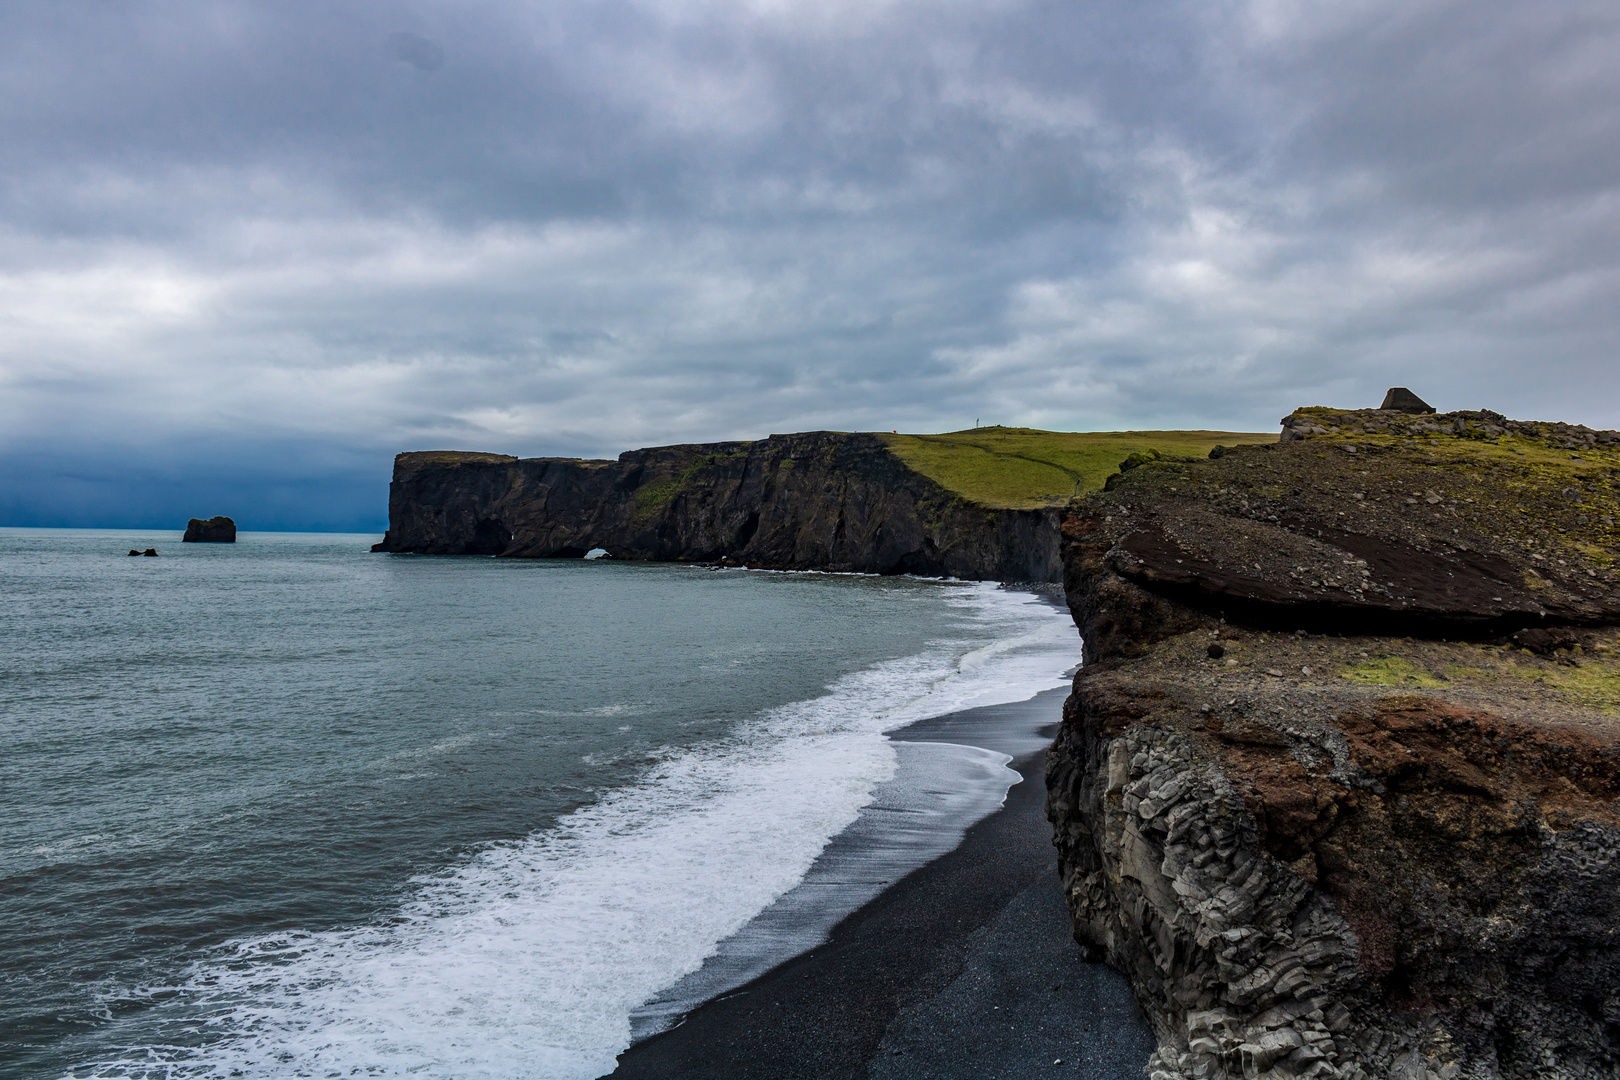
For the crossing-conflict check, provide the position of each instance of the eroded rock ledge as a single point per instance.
(1339, 785)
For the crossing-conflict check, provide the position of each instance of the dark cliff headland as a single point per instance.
(1338, 788)
(984, 504)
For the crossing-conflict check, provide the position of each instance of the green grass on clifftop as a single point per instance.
(1023, 468)
(455, 457)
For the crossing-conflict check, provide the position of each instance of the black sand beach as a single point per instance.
(964, 968)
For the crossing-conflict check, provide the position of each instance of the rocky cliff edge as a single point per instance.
(812, 501)
(1338, 787)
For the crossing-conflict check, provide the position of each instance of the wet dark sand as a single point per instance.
(964, 968)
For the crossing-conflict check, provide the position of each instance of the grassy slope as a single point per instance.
(1022, 467)
(1542, 493)
(454, 457)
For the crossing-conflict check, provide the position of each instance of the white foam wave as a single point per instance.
(938, 792)
(528, 960)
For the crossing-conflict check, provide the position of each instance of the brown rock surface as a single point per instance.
(1367, 825)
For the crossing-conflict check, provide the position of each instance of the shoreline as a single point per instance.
(964, 967)
(951, 771)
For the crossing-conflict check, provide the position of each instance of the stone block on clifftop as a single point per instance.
(1400, 399)
(216, 530)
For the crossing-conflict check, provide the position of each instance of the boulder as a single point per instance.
(216, 530)
(1400, 399)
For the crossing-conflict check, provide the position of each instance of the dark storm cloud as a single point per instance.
(574, 228)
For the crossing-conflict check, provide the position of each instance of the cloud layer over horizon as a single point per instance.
(252, 250)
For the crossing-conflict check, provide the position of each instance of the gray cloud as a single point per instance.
(419, 52)
(576, 228)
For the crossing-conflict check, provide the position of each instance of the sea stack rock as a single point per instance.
(216, 530)
(1400, 399)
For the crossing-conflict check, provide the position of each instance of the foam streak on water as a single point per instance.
(528, 959)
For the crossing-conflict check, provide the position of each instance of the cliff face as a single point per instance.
(820, 500)
(1339, 785)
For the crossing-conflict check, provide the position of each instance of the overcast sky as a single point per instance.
(249, 250)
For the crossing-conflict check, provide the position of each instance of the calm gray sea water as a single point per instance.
(287, 808)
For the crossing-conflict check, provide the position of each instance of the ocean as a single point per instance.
(288, 808)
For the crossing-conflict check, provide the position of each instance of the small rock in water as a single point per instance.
(150, 551)
(216, 530)
(134, 551)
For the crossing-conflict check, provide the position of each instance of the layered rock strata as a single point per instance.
(1338, 787)
(820, 500)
